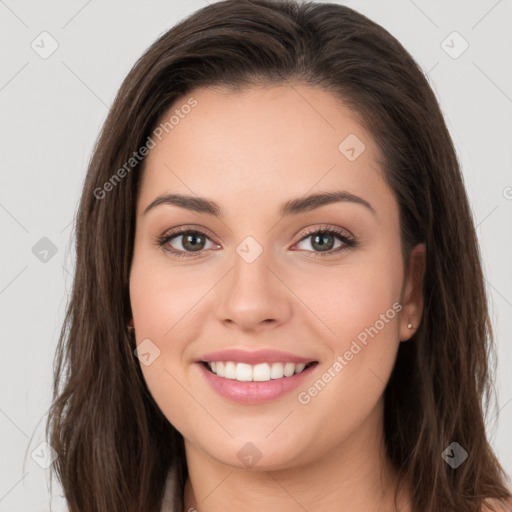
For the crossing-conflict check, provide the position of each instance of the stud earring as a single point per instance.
(131, 326)
(409, 325)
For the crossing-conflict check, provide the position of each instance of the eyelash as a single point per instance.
(348, 242)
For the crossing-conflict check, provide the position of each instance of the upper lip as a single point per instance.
(254, 357)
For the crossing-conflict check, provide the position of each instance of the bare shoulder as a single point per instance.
(498, 505)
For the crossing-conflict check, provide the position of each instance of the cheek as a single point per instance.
(356, 308)
(159, 316)
(359, 300)
(165, 304)
(360, 307)
(364, 310)
(161, 297)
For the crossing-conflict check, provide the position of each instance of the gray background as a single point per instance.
(52, 111)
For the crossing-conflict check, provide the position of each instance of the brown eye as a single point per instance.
(192, 241)
(324, 242)
(321, 242)
(184, 241)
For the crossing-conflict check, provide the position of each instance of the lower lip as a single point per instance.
(254, 392)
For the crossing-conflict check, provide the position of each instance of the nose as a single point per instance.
(254, 296)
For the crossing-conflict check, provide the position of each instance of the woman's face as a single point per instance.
(251, 277)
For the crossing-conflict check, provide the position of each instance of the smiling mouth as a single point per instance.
(262, 372)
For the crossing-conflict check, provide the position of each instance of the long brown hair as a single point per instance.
(114, 445)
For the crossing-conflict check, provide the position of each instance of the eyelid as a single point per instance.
(305, 232)
(325, 227)
(186, 229)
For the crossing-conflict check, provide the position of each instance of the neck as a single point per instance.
(354, 475)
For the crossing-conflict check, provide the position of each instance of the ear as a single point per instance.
(412, 293)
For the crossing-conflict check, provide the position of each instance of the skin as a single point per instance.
(249, 152)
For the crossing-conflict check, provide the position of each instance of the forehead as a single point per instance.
(261, 144)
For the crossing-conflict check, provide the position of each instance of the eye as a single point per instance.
(188, 242)
(323, 241)
(185, 242)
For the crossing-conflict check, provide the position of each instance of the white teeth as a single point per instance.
(299, 367)
(277, 371)
(262, 372)
(289, 369)
(230, 370)
(243, 372)
(219, 369)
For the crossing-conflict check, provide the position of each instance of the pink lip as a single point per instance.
(254, 392)
(254, 357)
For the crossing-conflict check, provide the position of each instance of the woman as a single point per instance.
(278, 301)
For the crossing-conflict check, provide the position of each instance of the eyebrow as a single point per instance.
(291, 207)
